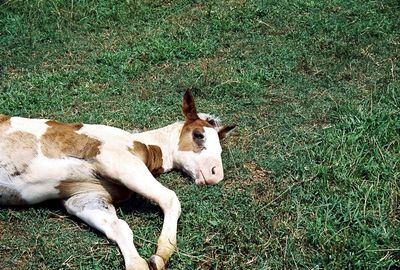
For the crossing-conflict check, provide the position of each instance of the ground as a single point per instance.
(311, 172)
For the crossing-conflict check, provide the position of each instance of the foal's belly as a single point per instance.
(40, 180)
(20, 190)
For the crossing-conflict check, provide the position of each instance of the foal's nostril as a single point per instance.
(213, 170)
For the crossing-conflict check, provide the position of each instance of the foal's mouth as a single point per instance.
(200, 178)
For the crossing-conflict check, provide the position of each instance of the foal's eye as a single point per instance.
(197, 135)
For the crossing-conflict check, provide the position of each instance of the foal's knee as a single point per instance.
(170, 203)
(118, 228)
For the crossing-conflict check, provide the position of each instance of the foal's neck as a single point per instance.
(167, 138)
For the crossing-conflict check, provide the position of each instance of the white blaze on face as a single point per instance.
(210, 169)
(205, 167)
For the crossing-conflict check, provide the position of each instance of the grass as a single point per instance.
(312, 171)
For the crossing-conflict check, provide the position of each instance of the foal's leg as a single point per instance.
(171, 207)
(134, 175)
(93, 209)
(150, 188)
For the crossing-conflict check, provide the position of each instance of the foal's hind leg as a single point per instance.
(93, 209)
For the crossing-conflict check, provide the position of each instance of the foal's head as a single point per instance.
(199, 149)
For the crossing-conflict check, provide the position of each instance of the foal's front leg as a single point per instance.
(93, 209)
(134, 175)
(166, 244)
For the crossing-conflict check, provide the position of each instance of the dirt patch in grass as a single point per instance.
(257, 173)
(264, 194)
(263, 188)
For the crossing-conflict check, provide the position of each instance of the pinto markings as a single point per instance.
(90, 167)
(187, 138)
(62, 140)
(17, 150)
(103, 186)
(151, 155)
(4, 118)
(4, 123)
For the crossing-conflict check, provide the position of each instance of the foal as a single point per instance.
(91, 167)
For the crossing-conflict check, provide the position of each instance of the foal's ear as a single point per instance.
(224, 131)
(188, 106)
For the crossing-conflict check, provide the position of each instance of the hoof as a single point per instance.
(138, 264)
(156, 263)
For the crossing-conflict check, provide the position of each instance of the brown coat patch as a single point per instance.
(151, 155)
(74, 126)
(102, 185)
(17, 150)
(61, 140)
(4, 118)
(4, 123)
(186, 141)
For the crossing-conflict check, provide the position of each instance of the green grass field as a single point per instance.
(312, 173)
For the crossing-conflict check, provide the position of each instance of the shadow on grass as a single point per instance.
(135, 206)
